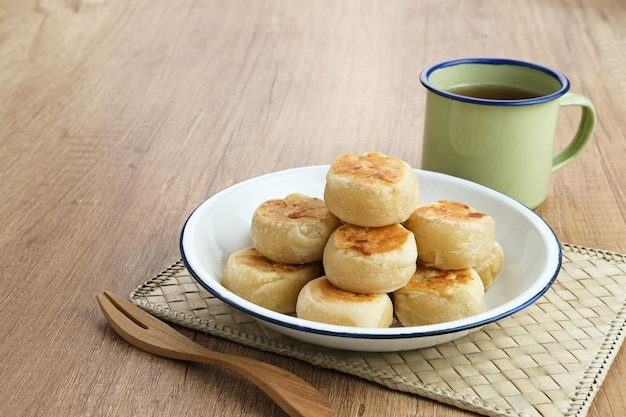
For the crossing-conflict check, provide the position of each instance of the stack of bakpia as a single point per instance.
(368, 251)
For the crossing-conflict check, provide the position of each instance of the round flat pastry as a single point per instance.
(370, 259)
(322, 302)
(451, 235)
(489, 269)
(266, 283)
(371, 189)
(293, 230)
(436, 296)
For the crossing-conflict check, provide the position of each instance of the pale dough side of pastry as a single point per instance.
(436, 296)
(491, 267)
(371, 189)
(292, 230)
(451, 235)
(266, 283)
(370, 259)
(322, 302)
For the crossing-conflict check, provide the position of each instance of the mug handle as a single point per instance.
(583, 134)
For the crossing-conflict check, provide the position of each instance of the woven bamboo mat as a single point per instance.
(547, 360)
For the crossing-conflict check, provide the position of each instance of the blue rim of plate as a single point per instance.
(425, 80)
(349, 333)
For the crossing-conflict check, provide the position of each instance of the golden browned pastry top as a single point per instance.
(253, 258)
(329, 293)
(369, 167)
(294, 207)
(370, 240)
(453, 210)
(436, 281)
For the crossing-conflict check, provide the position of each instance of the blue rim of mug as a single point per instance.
(425, 75)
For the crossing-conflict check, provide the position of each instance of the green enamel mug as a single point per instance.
(493, 121)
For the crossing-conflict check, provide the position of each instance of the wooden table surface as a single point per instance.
(117, 118)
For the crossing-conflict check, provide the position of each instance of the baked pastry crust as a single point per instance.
(266, 283)
(322, 302)
(371, 189)
(451, 235)
(370, 259)
(436, 296)
(293, 230)
(489, 269)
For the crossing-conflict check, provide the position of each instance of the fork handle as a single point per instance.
(294, 395)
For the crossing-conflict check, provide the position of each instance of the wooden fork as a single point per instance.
(294, 395)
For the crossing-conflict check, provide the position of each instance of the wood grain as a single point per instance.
(117, 118)
(292, 394)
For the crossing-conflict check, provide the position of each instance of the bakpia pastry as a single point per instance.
(370, 259)
(322, 302)
(451, 235)
(292, 230)
(371, 189)
(436, 296)
(489, 269)
(266, 283)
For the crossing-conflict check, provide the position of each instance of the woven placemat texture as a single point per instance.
(546, 360)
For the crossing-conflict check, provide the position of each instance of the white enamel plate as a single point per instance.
(220, 226)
